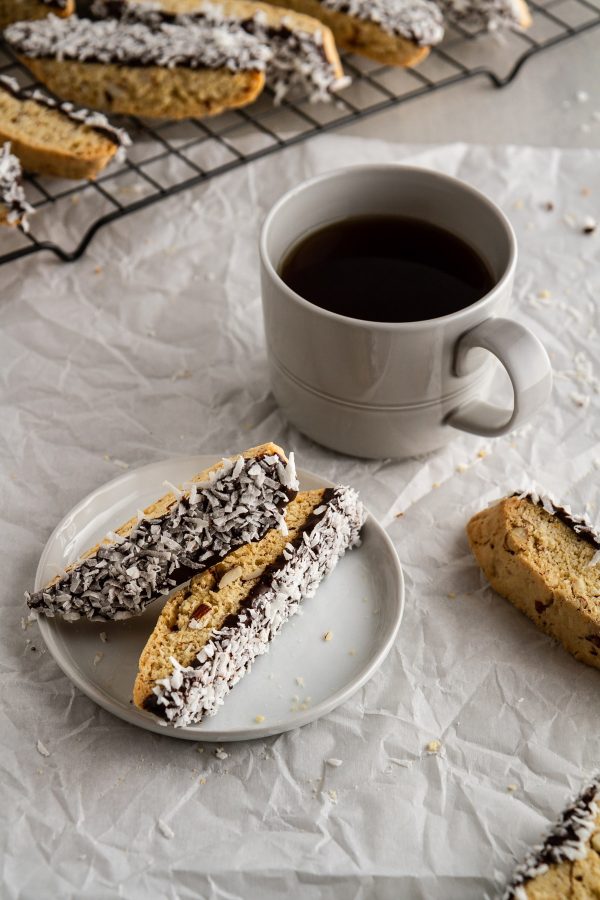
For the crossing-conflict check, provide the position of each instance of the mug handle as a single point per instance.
(528, 367)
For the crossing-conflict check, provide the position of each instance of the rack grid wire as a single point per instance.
(169, 157)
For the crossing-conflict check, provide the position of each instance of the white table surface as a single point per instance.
(540, 108)
(152, 345)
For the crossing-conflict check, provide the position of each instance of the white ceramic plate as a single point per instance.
(301, 678)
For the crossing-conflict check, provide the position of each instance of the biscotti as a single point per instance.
(14, 207)
(487, 15)
(231, 504)
(208, 634)
(303, 54)
(19, 10)
(54, 138)
(566, 866)
(165, 70)
(392, 32)
(546, 561)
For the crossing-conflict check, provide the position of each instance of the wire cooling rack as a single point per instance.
(167, 158)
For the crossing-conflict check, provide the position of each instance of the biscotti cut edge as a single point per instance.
(191, 692)
(544, 561)
(570, 854)
(150, 92)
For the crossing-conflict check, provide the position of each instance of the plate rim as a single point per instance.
(138, 718)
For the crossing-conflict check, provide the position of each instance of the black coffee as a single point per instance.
(386, 269)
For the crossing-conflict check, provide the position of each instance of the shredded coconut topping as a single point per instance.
(418, 20)
(579, 524)
(12, 195)
(243, 499)
(192, 692)
(488, 15)
(568, 841)
(80, 116)
(141, 35)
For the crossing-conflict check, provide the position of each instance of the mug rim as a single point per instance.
(388, 167)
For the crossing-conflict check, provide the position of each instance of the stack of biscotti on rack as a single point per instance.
(181, 59)
(252, 549)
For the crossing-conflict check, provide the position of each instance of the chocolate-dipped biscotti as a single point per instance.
(392, 32)
(231, 504)
(209, 633)
(487, 15)
(54, 138)
(303, 53)
(566, 866)
(19, 10)
(149, 62)
(546, 561)
(169, 70)
(14, 207)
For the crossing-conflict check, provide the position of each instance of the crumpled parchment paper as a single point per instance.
(152, 345)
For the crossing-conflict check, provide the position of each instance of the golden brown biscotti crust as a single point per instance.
(20, 10)
(541, 566)
(48, 143)
(273, 17)
(358, 36)
(148, 91)
(172, 636)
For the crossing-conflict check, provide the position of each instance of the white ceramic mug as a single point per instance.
(380, 389)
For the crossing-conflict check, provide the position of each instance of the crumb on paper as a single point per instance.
(106, 457)
(165, 829)
(352, 651)
(589, 225)
(328, 636)
(199, 749)
(220, 753)
(103, 637)
(181, 374)
(549, 206)
(580, 400)
(258, 719)
(41, 749)
(332, 794)
(435, 484)
(482, 454)
(98, 658)
(98, 270)
(75, 199)
(334, 761)
(545, 294)
(511, 788)
(519, 203)
(120, 463)
(433, 746)
(202, 780)
(461, 468)
(585, 191)
(399, 515)
(299, 680)
(452, 595)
